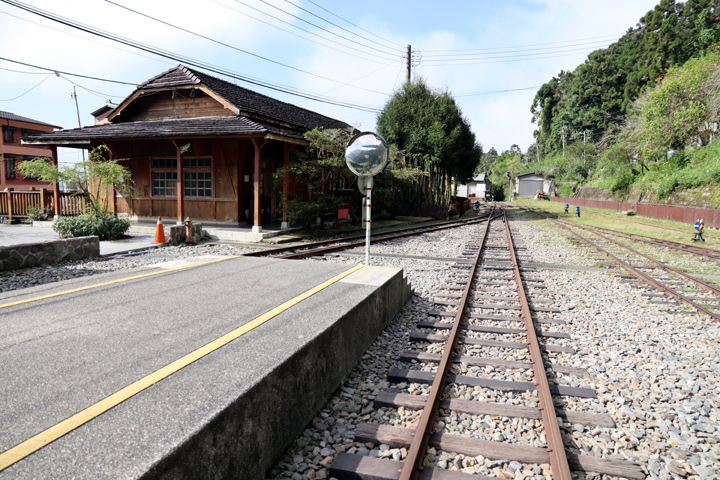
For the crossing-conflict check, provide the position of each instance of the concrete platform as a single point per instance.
(227, 414)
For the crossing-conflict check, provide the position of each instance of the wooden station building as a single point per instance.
(200, 147)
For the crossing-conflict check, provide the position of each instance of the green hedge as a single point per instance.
(106, 227)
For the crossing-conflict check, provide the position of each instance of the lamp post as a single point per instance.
(367, 155)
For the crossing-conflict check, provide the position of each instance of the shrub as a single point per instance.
(36, 214)
(107, 227)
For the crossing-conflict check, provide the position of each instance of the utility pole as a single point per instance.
(73, 95)
(409, 63)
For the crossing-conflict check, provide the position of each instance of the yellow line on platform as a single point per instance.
(113, 282)
(42, 439)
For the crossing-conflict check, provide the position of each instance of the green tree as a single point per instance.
(93, 177)
(429, 127)
(319, 170)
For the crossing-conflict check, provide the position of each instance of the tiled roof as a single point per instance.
(174, 127)
(18, 118)
(250, 103)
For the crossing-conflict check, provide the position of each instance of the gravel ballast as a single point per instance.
(656, 374)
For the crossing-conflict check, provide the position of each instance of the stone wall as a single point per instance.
(28, 255)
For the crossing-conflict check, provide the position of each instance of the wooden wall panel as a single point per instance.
(226, 210)
(199, 209)
(166, 208)
(186, 104)
(225, 168)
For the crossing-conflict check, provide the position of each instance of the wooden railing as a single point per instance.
(18, 203)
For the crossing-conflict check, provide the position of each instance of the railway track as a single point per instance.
(704, 252)
(332, 245)
(491, 316)
(670, 285)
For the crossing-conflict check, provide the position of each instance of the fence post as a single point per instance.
(43, 193)
(10, 203)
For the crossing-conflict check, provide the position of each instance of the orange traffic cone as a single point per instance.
(159, 233)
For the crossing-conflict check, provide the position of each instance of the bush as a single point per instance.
(35, 214)
(107, 227)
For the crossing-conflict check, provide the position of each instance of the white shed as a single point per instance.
(474, 188)
(527, 185)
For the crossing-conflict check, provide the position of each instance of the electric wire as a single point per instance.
(326, 30)
(305, 30)
(239, 49)
(355, 55)
(609, 36)
(502, 56)
(354, 25)
(52, 70)
(181, 58)
(458, 56)
(30, 90)
(83, 38)
(338, 26)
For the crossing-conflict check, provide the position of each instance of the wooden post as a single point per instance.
(43, 194)
(180, 190)
(286, 181)
(8, 191)
(256, 183)
(56, 191)
(242, 152)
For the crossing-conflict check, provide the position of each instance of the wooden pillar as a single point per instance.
(180, 182)
(242, 152)
(8, 192)
(56, 192)
(259, 144)
(3, 169)
(286, 181)
(43, 199)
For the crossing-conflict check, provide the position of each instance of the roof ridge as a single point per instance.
(192, 78)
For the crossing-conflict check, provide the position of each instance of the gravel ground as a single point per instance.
(656, 374)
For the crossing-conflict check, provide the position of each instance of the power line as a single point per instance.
(492, 92)
(303, 29)
(296, 34)
(180, 58)
(236, 48)
(503, 56)
(52, 70)
(508, 59)
(491, 52)
(524, 46)
(354, 25)
(78, 36)
(31, 89)
(336, 25)
(325, 29)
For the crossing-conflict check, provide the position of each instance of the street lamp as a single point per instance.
(367, 155)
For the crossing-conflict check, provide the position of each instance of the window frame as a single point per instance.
(164, 166)
(10, 167)
(193, 168)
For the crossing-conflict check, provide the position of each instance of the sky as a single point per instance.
(491, 55)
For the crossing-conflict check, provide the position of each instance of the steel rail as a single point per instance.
(692, 249)
(345, 246)
(413, 461)
(660, 265)
(417, 230)
(632, 270)
(555, 446)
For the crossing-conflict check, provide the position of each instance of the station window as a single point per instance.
(198, 177)
(164, 177)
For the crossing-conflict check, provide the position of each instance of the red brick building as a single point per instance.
(12, 151)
